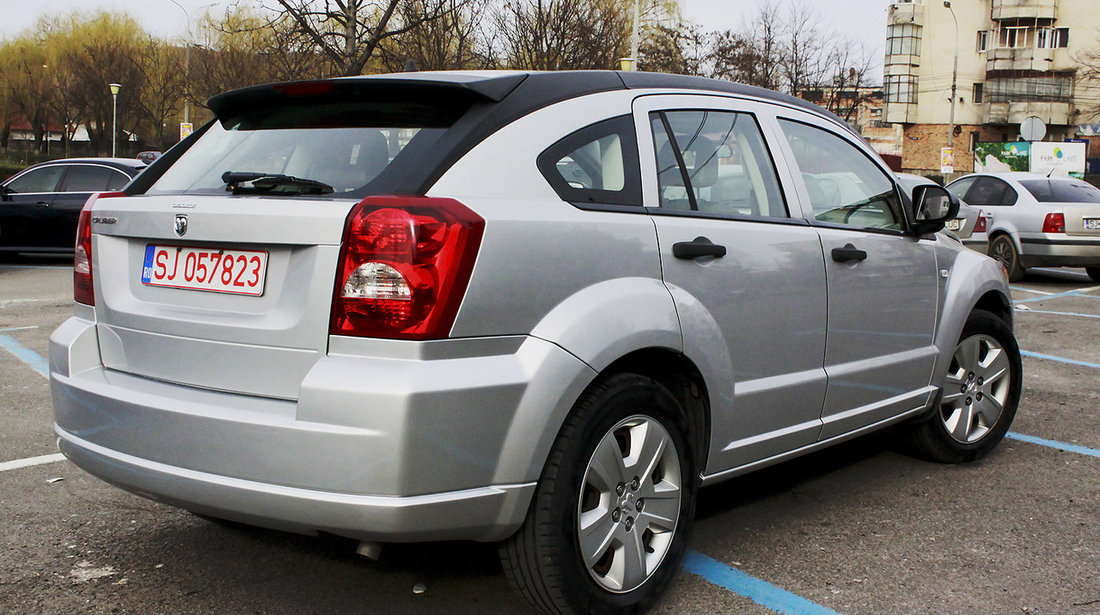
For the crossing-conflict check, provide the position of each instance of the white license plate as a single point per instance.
(954, 224)
(240, 272)
(1092, 224)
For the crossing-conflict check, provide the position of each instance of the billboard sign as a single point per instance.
(1058, 158)
(998, 156)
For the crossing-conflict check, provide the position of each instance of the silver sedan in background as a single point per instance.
(1036, 221)
(970, 223)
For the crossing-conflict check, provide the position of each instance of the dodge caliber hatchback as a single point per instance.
(539, 309)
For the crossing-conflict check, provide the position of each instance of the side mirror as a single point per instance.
(4, 192)
(933, 206)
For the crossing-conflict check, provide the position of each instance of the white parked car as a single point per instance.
(1036, 220)
(970, 223)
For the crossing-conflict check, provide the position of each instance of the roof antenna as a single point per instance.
(1050, 172)
(410, 66)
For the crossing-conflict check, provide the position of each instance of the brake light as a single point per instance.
(404, 266)
(1054, 223)
(979, 226)
(83, 289)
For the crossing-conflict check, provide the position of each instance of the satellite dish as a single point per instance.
(1033, 129)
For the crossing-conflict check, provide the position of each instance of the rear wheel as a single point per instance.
(609, 521)
(980, 395)
(1004, 251)
(1094, 273)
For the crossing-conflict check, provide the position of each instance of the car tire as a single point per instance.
(980, 395)
(1094, 273)
(1002, 250)
(621, 465)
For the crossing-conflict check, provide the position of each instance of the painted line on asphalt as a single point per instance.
(1031, 311)
(18, 328)
(1061, 271)
(1028, 290)
(26, 355)
(30, 461)
(1068, 293)
(759, 591)
(1062, 446)
(1048, 357)
(36, 266)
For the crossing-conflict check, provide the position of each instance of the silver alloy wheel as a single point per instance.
(629, 503)
(976, 389)
(1003, 252)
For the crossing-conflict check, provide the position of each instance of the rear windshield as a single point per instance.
(344, 145)
(1061, 191)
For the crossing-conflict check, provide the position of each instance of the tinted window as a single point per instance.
(596, 164)
(84, 178)
(1061, 191)
(844, 185)
(990, 191)
(39, 180)
(726, 169)
(344, 145)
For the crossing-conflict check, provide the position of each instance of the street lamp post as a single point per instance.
(954, 78)
(115, 87)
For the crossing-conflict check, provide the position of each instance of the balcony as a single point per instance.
(1018, 58)
(1016, 10)
(1053, 113)
(906, 12)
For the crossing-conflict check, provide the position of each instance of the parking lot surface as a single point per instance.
(859, 528)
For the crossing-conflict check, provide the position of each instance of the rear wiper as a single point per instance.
(271, 182)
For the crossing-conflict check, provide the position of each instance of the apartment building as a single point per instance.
(1016, 59)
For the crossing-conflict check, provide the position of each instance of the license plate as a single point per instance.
(954, 224)
(1092, 224)
(239, 272)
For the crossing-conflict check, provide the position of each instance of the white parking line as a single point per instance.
(30, 461)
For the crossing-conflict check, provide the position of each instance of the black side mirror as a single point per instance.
(4, 192)
(933, 206)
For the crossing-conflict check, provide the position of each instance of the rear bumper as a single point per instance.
(407, 444)
(1061, 251)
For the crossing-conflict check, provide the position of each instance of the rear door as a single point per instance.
(25, 207)
(883, 284)
(747, 277)
(80, 181)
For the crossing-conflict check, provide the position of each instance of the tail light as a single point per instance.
(83, 289)
(404, 267)
(1054, 223)
(979, 226)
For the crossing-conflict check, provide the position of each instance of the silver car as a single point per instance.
(538, 309)
(1036, 220)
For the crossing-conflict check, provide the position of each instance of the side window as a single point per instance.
(596, 164)
(83, 178)
(960, 187)
(715, 162)
(990, 191)
(38, 180)
(844, 185)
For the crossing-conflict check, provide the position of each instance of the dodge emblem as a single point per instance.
(181, 225)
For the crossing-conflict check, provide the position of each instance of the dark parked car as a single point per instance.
(40, 205)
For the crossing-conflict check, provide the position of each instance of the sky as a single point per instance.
(862, 21)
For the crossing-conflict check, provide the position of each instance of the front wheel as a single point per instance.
(609, 521)
(980, 394)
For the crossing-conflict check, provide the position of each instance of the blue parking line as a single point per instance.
(1030, 311)
(761, 592)
(36, 266)
(26, 355)
(1048, 357)
(1062, 446)
(1068, 293)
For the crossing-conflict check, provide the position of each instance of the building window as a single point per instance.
(901, 89)
(1051, 38)
(983, 40)
(903, 39)
(1014, 37)
(975, 138)
(977, 96)
(1055, 88)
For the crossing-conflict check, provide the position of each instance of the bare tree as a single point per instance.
(563, 34)
(350, 32)
(455, 40)
(1089, 79)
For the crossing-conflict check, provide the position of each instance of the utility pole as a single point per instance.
(954, 78)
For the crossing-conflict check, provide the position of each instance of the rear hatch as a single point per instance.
(217, 269)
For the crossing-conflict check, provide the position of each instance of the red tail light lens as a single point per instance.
(979, 226)
(404, 267)
(1054, 223)
(83, 289)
